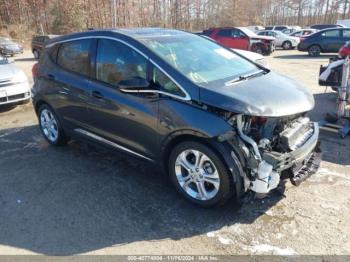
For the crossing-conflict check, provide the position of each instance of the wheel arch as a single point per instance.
(38, 104)
(223, 150)
(315, 45)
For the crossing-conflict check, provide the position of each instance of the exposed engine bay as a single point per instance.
(275, 147)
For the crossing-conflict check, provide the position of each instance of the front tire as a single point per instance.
(199, 174)
(51, 127)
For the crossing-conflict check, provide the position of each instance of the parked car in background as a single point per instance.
(281, 40)
(252, 56)
(303, 32)
(325, 41)
(38, 44)
(14, 87)
(277, 27)
(344, 51)
(325, 26)
(344, 22)
(255, 28)
(9, 47)
(216, 123)
(241, 38)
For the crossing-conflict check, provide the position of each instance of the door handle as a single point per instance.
(97, 94)
(51, 77)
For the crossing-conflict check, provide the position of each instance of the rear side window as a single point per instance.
(225, 33)
(332, 33)
(116, 61)
(75, 56)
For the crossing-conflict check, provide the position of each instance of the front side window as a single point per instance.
(332, 33)
(74, 56)
(237, 34)
(116, 61)
(200, 60)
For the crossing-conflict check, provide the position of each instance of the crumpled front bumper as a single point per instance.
(310, 167)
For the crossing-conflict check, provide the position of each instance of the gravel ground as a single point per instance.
(83, 200)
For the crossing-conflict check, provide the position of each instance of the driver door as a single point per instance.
(126, 119)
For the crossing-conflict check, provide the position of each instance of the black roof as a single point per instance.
(135, 33)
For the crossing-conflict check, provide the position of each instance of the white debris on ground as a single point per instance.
(261, 249)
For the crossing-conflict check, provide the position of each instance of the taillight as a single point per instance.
(35, 70)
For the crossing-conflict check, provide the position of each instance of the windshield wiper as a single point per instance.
(245, 77)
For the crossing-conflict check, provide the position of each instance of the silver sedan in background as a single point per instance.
(14, 86)
(281, 39)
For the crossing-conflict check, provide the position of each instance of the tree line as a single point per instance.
(63, 16)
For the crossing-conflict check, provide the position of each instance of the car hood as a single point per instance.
(8, 71)
(270, 95)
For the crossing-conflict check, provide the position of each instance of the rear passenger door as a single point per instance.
(71, 80)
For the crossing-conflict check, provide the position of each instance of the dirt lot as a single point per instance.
(79, 199)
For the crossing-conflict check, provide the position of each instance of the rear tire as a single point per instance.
(314, 50)
(51, 127)
(199, 174)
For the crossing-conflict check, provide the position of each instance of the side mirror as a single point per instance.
(133, 85)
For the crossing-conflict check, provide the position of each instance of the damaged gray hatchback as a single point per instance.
(218, 124)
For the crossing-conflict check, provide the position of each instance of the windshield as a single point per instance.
(202, 61)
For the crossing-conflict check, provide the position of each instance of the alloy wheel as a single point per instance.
(49, 125)
(197, 175)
